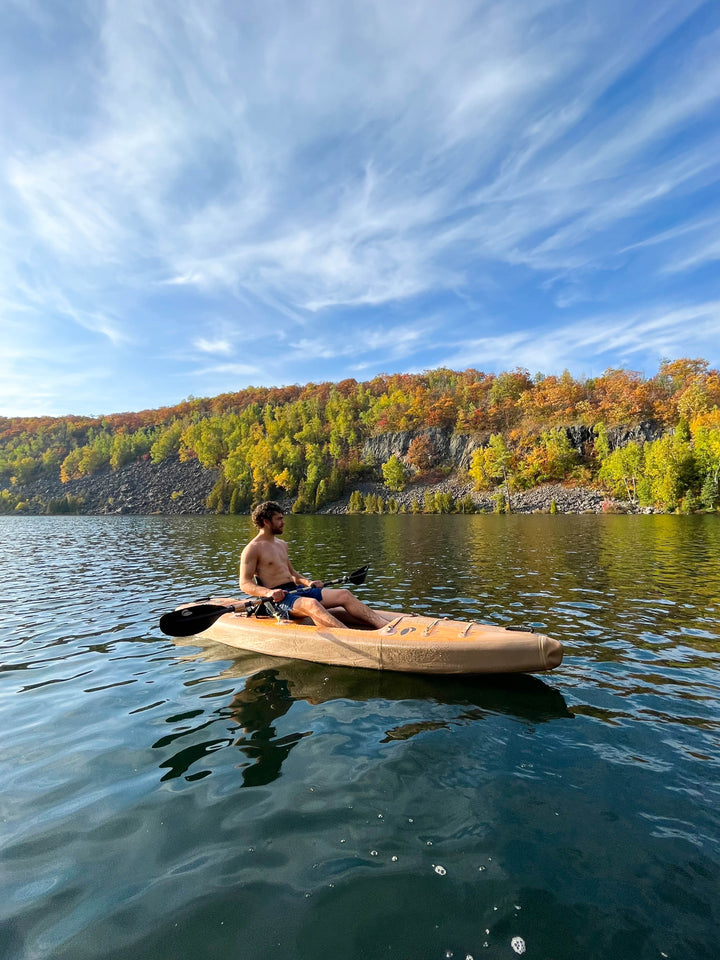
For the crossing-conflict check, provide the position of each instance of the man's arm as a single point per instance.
(299, 580)
(248, 569)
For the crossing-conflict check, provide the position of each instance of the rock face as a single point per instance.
(647, 430)
(457, 449)
(170, 487)
(449, 447)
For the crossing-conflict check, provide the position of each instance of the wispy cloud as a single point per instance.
(213, 346)
(296, 166)
(599, 340)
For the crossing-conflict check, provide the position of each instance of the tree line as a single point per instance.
(309, 442)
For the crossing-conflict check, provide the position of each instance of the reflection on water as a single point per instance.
(170, 800)
(272, 686)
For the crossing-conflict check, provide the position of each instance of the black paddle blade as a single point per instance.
(191, 620)
(358, 576)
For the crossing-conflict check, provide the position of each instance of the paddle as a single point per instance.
(357, 577)
(194, 619)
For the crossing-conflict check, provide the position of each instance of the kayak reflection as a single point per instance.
(272, 685)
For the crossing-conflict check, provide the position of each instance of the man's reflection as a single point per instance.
(263, 700)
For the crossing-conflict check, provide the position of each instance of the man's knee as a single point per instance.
(307, 607)
(343, 596)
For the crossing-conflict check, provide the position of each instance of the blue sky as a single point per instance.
(199, 196)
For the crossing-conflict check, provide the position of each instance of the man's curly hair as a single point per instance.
(265, 511)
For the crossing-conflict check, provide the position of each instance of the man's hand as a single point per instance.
(277, 595)
(317, 583)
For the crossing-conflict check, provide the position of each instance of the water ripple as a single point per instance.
(165, 799)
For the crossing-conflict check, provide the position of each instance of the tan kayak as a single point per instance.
(408, 643)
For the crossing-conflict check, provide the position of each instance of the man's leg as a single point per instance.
(356, 608)
(307, 607)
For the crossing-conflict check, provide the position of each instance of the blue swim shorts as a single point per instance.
(286, 604)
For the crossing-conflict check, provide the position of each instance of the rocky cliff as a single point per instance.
(450, 448)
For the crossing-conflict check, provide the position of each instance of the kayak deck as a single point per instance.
(407, 643)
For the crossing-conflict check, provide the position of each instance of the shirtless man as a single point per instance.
(266, 557)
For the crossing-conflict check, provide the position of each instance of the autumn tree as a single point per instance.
(421, 453)
(555, 400)
(551, 457)
(505, 393)
(492, 464)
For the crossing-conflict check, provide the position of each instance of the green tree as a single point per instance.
(492, 464)
(23, 470)
(218, 496)
(709, 494)
(395, 473)
(551, 457)
(167, 442)
(622, 469)
(127, 447)
(602, 442)
(305, 502)
(374, 503)
(322, 494)
(669, 471)
(706, 447)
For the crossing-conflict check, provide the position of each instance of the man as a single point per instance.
(266, 571)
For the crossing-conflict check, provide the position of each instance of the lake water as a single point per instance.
(164, 800)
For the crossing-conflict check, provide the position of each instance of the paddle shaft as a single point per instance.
(193, 619)
(356, 577)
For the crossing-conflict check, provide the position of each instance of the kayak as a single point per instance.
(407, 643)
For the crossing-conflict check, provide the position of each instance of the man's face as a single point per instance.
(276, 523)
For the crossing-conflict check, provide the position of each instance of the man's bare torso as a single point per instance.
(271, 562)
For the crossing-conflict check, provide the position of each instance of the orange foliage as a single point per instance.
(623, 397)
(554, 400)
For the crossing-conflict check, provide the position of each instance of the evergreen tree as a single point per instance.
(395, 473)
(709, 495)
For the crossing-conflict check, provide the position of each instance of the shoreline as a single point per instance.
(176, 488)
(540, 499)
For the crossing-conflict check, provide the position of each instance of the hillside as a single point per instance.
(438, 441)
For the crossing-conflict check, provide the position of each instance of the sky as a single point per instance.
(196, 197)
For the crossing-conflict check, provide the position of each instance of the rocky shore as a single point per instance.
(548, 498)
(175, 488)
(170, 487)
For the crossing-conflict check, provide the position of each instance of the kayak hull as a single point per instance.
(408, 643)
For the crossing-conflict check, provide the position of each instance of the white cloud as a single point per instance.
(213, 346)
